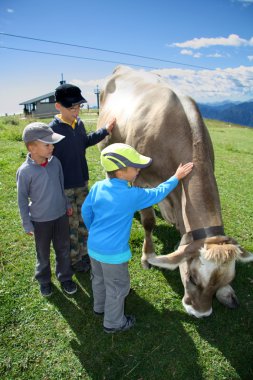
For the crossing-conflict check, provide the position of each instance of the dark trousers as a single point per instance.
(57, 232)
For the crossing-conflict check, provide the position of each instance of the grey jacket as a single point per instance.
(41, 195)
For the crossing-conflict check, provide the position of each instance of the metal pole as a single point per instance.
(97, 92)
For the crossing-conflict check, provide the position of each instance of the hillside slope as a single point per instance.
(241, 113)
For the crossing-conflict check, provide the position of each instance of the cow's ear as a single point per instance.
(244, 255)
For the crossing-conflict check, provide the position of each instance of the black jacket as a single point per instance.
(71, 150)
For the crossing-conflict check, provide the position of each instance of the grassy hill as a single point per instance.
(239, 113)
(60, 338)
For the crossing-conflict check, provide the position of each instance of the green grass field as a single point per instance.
(59, 338)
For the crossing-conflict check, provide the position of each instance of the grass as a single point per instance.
(60, 338)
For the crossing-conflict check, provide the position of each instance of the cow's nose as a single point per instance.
(196, 313)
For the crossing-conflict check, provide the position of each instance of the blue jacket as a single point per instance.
(108, 212)
(71, 150)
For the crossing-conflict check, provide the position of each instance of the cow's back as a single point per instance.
(165, 126)
(152, 118)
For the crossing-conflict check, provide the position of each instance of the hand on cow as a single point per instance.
(110, 125)
(183, 170)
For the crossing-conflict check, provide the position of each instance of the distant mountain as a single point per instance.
(224, 104)
(232, 112)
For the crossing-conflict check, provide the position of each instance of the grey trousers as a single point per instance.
(57, 232)
(110, 286)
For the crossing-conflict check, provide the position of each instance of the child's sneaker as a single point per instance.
(69, 287)
(130, 322)
(46, 289)
(98, 313)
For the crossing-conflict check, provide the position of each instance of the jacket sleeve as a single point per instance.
(95, 137)
(87, 211)
(23, 201)
(61, 178)
(148, 197)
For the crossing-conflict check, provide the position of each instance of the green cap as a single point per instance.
(118, 156)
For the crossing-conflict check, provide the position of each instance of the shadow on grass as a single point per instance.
(225, 329)
(156, 348)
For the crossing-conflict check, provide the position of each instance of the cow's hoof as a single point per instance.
(145, 264)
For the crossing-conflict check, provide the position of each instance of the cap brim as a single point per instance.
(80, 102)
(67, 103)
(52, 139)
(143, 162)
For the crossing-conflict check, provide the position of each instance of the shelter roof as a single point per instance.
(39, 98)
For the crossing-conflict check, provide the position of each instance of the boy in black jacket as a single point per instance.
(71, 153)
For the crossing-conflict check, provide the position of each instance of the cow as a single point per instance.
(168, 127)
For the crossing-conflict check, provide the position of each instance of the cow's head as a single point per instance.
(207, 267)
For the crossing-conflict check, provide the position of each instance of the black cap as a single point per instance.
(69, 95)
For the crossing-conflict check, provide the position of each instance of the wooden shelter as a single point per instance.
(41, 107)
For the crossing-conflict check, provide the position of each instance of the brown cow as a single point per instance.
(169, 128)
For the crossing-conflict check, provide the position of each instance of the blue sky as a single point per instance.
(203, 48)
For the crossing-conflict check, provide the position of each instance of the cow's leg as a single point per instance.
(148, 222)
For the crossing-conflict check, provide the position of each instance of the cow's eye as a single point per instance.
(192, 280)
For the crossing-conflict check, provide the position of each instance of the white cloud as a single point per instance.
(9, 10)
(91, 83)
(186, 52)
(250, 57)
(245, 3)
(197, 55)
(212, 85)
(190, 52)
(198, 43)
(88, 88)
(215, 55)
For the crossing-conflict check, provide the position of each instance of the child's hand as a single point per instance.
(183, 170)
(69, 211)
(110, 125)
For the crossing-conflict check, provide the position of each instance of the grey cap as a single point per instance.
(40, 132)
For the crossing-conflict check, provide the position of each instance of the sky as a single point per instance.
(203, 48)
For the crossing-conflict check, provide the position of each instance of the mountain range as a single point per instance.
(231, 112)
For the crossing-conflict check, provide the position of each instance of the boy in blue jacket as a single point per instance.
(108, 212)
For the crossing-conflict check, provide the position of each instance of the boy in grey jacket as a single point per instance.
(43, 206)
